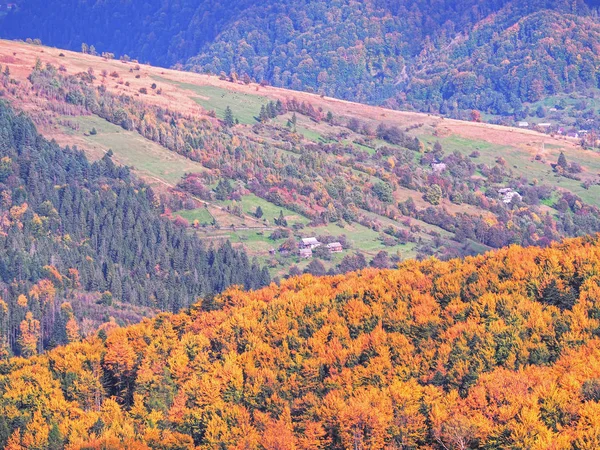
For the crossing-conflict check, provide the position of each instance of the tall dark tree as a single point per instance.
(229, 119)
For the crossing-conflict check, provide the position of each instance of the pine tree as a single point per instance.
(262, 116)
(229, 119)
(294, 121)
(562, 161)
(281, 220)
(259, 212)
(55, 438)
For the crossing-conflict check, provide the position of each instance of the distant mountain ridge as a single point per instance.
(434, 56)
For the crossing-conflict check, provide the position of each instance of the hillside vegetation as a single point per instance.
(493, 352)
(446, 57)
(265, 167)
(74, 234)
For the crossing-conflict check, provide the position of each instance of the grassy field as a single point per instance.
(250, 202)
(202, 215)
(245, 107)
(523, 163)
(131, 149)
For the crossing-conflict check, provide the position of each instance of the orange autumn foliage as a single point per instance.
(496, 351)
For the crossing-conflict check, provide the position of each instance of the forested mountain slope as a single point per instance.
(497, 351)
(501, 65)
(68, 226)
(489, 55)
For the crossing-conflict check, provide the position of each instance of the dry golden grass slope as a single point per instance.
(21, 57)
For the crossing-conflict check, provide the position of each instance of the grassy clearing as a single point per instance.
(250, 202)
(304, 127)
(131, 149)
(523, 163)
(202, 215)
(245, 107)
(153, 162)
(360, 237)
(309, 134)
(369, 150)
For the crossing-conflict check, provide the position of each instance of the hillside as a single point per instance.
(264, 167)
(452, 57)
(502, 67)
(496, 351)
(82, 244)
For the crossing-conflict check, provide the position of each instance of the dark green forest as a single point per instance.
(70, 225)
(434, 56)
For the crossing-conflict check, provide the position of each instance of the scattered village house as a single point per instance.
(507, 195)
(335, 247)
(438, 167)
(305, 253)
(310, 243)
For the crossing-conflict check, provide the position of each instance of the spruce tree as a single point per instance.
(562, 161)
(229, 119)
(55, 438)
(262, 116)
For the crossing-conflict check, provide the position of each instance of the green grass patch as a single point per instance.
(132, 150)
(245, 107)
(250, 202)
(202, 215)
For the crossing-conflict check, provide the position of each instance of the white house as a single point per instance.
(507, 195)
(310, 243)
(335, 247)
(305, 253)
(438, 167)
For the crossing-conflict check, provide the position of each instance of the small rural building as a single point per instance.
(438, 167)
(523, 124)
(305, 253)
(310, 243)
(507, 195)
(335, 247)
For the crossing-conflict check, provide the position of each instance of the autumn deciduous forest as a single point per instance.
(239, 266)
(492, 352)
